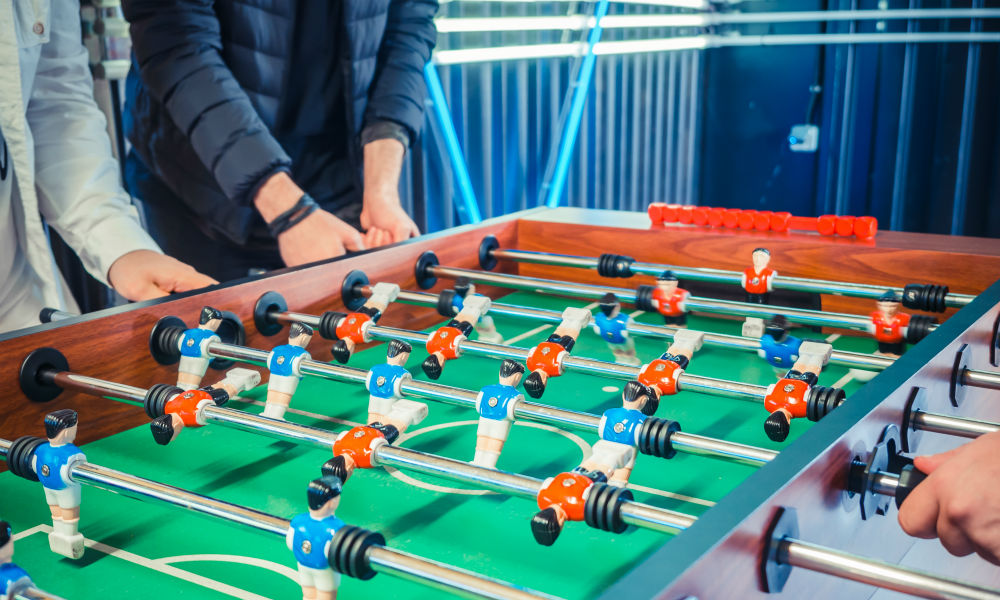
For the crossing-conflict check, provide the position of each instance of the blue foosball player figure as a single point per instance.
(51, 462)
(612, 325)
(284, 363)
(386, 405)
(194, 349)
(13, 579)
(777, 347)
(614, 454)
(486, 329)
(309, 537)
(496, 404)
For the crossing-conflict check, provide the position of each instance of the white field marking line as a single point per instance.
(637, 313)
(278, 568)
(844, 380)
(306, 413)
(657, 492)
(833, 337)
(160, 566)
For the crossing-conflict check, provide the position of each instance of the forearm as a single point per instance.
(383, 164)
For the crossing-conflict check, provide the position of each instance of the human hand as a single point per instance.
(144, 274)
(959, 502)
(317, 237)
(384, 220)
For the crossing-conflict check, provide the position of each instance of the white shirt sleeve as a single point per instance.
(77, 178)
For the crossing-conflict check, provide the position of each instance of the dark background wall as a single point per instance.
(891, 120)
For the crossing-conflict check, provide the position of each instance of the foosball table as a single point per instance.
(557, 403)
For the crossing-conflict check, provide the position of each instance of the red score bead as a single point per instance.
(670, 213)
(715, 216)
(731, 218)
(826, 224)
(685, 215)
(845, 226)
(780, 221)
(865, 228)
(699, 215)
(762, 220)
(655, 212)
(746, 218)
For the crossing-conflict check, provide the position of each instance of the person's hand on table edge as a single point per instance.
(145, 274)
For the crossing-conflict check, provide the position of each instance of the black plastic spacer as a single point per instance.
(270, 302)
(927, 296)
(910, 435)
(350, 290)
(36, 386)
(19, 456)
(425, 279)
(486, 247)
(349, 548)
(654, 437)
(956, 385)
(919, 327)
(644, 298)
(163, 340)
(615, 265)
(822, 400)
(156, 398)
(603, 507)
(774, 573)
(445, 306)
(328, 324)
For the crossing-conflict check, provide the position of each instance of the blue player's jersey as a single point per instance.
(191, 341)
(11, 574)
(49, 461)
(382, 379)
(611, 329)
(621, 425)
(496, 399)
(282, 357)
(780, 355)
(310, 537)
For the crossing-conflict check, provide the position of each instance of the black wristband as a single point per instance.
(293, 216)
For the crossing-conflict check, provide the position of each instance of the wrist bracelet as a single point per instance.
(293, 216)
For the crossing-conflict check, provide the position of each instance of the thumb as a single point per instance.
(350, 237)
(928, 464)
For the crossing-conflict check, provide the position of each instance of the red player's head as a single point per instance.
(667, 281)
(397, 352)
(299, 334)
(210, 318)
(323, 495)
(511, 372)
(610, 305)
(761, 258)
(60, 426)
(888, 303)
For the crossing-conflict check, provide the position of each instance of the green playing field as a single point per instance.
(136, 549)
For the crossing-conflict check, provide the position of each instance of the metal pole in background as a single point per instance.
(581, 89)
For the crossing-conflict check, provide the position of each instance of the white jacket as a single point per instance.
(59, 149)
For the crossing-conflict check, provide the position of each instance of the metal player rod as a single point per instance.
(633, 513)
(725, 307)
(687, 381)
(33, 593)
(381, 558)
(719, 340)
(800, 284)
(806, 555)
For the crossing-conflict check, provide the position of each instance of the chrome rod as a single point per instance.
(95, 387)
(550, 286)
(33, 593)
(696, 444)
(813, 557)
(982, 379)
(885, 484)
(801, 284)
(948, 425)
(395, 562)
(721, 340)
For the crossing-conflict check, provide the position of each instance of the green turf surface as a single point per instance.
(430, 517)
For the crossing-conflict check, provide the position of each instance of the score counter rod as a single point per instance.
(624, 266)
(378, 557)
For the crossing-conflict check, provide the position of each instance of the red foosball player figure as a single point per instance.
(662, 374)
(889, 326)
(446, 343)
(546, 359)
(668, 299)
(788, 398)
(562, 498)
(284, 363)
(194, 348)
(186, 408)
(352, 328)
(758, 280)
(355, 448)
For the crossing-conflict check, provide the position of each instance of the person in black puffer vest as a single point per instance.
(267, 133)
